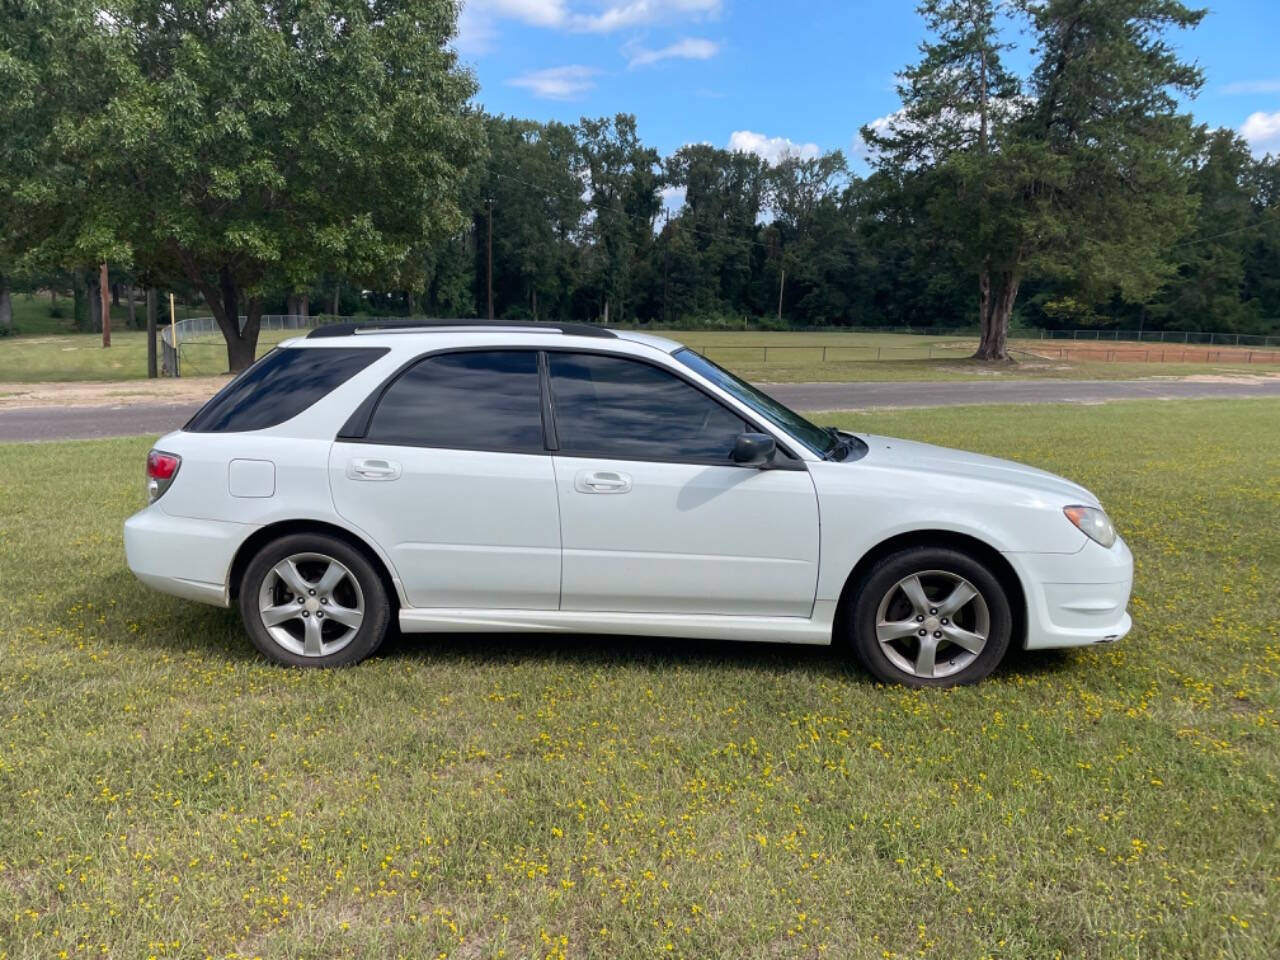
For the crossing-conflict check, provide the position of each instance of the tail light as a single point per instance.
(161, 469)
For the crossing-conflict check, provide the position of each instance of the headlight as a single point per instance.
(1093, 523)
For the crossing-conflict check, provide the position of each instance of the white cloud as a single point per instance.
(1262, 130)
(771, 149)
(686, 48)
(863, 151)
(479, 16)
(558, 83)
(1252, 86)
(640, 12)
(537, 13)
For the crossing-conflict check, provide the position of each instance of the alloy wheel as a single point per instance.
(932, 624)
(311, 604)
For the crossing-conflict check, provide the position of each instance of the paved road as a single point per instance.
(71, 423)
(849, 396)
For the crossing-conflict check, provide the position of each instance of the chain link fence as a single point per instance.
(195, 347)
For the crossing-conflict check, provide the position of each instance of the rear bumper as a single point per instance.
(1077, 599)
(181, 556)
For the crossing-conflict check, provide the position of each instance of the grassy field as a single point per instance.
(34, 314)
(56, 355)
(164, 792)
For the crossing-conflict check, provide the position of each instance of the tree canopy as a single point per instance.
(244, 145)
(334, 149)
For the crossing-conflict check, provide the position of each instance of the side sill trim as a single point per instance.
(801, 630)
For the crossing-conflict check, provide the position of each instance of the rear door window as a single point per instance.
(474, 400)
(280, 386)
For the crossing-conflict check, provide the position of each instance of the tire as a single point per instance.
(961, 607)
(312, 600)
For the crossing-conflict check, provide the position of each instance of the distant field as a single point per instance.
(165, 792)
(32, 315)
(762, 356)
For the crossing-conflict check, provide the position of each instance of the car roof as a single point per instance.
(430, 330)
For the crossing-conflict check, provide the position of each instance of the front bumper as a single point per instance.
(182, 556)
(1076, 599)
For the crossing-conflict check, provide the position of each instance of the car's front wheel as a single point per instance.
(930, 617)
(311, 600)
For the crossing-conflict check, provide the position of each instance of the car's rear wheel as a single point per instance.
(311, 600)
(930, 617)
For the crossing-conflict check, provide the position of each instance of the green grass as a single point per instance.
(33, 315)
(42, 359)
(791, 357)
(852, 357)
(164, 792)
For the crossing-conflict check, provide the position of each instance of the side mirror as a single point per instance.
(754, 449)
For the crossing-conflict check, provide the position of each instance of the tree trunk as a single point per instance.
(115, 294)
(224, 302)
(152, 305)
(337, 289)
(6, 307)
(412, 301)
(104, 294)
(304, 305)
(996, 307)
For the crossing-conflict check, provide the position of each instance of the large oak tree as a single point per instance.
(244, 144)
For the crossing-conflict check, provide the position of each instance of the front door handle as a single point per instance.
(603, 481)
(373, 469)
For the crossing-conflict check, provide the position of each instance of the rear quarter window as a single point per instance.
(280, 386)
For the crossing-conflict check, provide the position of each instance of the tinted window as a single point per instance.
(465, 401)
(614, 407)
(814, 437)
(280, 386)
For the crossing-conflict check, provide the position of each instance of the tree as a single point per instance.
(1208, 286)
(247, 145)
(533, 177)
(623, 184)
(1077, 171)
(713, 239)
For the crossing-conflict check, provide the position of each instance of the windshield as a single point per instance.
(820, 441)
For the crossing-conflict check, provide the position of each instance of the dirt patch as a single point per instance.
(107, 393)
(1250, 378)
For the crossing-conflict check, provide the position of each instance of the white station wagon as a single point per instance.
(472, 476)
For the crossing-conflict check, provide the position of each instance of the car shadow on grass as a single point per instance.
(185, 627)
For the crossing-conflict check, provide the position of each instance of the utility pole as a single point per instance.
(489, 204)
(666, 263)
(151, 332)
(782, 283)
(104, 295)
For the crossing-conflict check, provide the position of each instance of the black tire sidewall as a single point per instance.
(893, 568)
(376, 601)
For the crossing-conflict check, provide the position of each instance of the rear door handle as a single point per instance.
(373, 469)
(603, 481)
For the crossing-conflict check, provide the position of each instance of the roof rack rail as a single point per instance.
(373, 326)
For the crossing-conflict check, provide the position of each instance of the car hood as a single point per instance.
(940, 462)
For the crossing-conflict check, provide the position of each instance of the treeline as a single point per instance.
(256, 155)
(580, 232)
(800, 242)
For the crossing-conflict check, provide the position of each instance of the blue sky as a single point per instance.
(755, 74)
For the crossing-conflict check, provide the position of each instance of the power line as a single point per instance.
(1226, 233)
